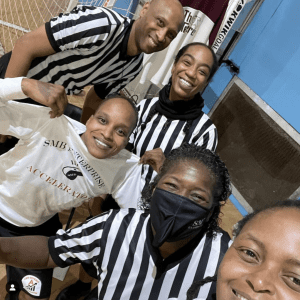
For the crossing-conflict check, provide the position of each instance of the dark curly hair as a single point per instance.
(218, 170)
(193, 290)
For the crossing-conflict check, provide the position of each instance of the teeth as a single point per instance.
(101, 143)
(239, 296)
(152, 41)
(185, 82)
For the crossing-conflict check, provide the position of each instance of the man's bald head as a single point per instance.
(158, 24)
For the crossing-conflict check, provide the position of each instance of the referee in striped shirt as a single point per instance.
(165, 122)
(146, 255)
(93, 46)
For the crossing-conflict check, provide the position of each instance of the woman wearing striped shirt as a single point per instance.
(165, 122)
(174, 117)
(146, 255)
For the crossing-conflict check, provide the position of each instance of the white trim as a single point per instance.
(2, 52)
(71, 5)
(282, 123)
(238, 196)
(296, 194)
(14, 26)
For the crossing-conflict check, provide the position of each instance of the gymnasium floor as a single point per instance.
(230, 216)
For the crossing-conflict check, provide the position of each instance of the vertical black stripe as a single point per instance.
(148, 137)
(204, 259)
(205, 140)
(129, 260)
(205, 126)
(215, 140)
(178, 280)
(119, 238)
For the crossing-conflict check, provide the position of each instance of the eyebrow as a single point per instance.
(197, 188)
(108, 116)
(254, 239)
(293, 261)
(166, 23)
(193, 58)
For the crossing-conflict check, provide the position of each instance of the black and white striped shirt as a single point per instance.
(118, 245)
(91, 45)
(167, 134)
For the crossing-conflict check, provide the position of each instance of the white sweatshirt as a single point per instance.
(50, 168)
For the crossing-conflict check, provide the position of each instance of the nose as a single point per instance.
(191, 71)
(161, 35)
(262, 280)
(107, 133)
(183, 192)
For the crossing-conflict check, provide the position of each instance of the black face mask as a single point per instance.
(175, 217)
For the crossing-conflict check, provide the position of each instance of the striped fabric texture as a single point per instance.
(118, 245)
(91, 46)
(167, 134)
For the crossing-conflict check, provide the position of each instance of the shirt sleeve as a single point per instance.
(79, 244)
(127, 185)
(84, 27)
(114, 86)
(10, 88)
(134, 132)
(206, 136)
(18, 119)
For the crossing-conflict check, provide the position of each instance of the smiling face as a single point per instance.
(263, 262)
(190, 73)
(189, 179)
(108, 130)
(159, 23)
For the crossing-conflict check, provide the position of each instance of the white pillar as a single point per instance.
(71, 5)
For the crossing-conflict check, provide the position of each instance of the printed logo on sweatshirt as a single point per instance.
(79, 160)
(55, 183)
(71, 172)
(32, 285)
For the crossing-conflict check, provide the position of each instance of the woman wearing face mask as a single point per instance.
(165, 122)
(263, 263)
(142, 255)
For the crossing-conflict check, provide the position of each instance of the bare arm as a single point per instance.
(155, 158)
(29, 46)
(51, 95)
(91, 103)
(27, 252)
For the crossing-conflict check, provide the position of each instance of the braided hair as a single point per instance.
(193, 290)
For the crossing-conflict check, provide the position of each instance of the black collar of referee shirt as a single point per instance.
(124, 44)
(163, 265)
(179, 109)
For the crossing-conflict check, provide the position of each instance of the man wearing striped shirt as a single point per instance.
(93, 46)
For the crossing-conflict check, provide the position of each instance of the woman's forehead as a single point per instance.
(271, 225)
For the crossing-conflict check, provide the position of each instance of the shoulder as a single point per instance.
(223, 238)
(77, 126)
(147, 104)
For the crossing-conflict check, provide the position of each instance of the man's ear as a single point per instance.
(144, 9)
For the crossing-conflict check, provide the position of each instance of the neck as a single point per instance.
(168, 248)
(132, 48)
(174, 97)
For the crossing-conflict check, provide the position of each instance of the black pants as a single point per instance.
(36, 283)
